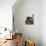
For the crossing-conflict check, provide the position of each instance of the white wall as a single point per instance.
(6, 13)
(43, 22)
(27, 8)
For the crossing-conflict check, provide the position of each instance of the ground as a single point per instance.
(8, 43)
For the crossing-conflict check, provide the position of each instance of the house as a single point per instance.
(20, 9)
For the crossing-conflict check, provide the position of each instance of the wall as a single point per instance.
(6, 13)
(27, 8)
(43, 22)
